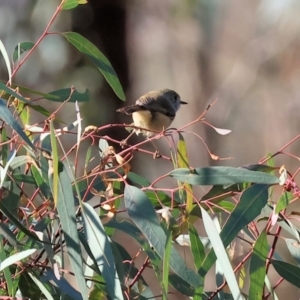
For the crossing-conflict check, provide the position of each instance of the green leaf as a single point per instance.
(41, 286)
(157, 198)
(221, 176)
(66, 211)
(289, 272)
(34, 106)
(8, 234)
(153, 196)
(271, 289)
(4, 168)
(8, 118)
(124, 270)
(248, 208)
(197, 247)
(54, 162)
(140, 210)
(270, 160)
(28, 288)
(6, 59)
(61, 95)
(183, 162)
(69, 4)
(23, 178)
(15, 258)
(258, 267)
(182, 159)
(283, 202)
(219, 192)
(20, 49)
(138, 180)
(11, 92)
(259, 167)
(5, 149)
(10, 200)
(101, 249)
(85, 185)
(178, 283)
(40, 182)
(98, 58)
(166, 264)
(23, 112)
(221, 254)
(181, 286)
(226, 205)
(3, 255)
(67, 94)
(63, 285)
(16, 222)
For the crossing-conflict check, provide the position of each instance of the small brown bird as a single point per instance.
(154, 111)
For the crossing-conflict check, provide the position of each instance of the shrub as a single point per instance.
(46, 214)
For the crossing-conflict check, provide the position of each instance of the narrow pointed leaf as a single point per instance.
(70, 4)
(15, 221)
(258, 267)
(20, 49)
(41, 286)
(222, 176)
(289, 272)
(140, 210)
(15, 258)
(221, 255)
(67, 94)
(283, 201)
(270, 288)
(219, 192)
(166, 264)
(100, 247)
(63, 284)
(13, 93)
(54, 163)
(7, 271)
(66, 211)
(197, 247)
(8, 118)
(176, 281)
(183, 162)
(70, 94)
(248, 208)
(6, 59)
(8, 234)
(98, 58)
(260, 168)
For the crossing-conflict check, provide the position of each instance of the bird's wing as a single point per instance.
(130, 109)
(149, 103)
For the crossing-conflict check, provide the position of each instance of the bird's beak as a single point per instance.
(182, 102)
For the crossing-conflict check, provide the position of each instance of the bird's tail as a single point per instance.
(128, 110)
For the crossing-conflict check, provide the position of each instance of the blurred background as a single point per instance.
(243, 53)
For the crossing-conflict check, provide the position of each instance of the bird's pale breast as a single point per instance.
(151, 120)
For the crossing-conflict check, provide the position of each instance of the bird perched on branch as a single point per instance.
(154, 112)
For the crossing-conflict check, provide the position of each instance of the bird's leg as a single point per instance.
(156, 154)
(123, 143)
